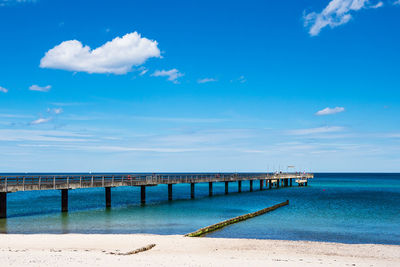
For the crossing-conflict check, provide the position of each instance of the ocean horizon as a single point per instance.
(334, 207)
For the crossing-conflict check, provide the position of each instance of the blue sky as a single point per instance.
(199, 85)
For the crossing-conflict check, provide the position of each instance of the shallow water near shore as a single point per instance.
(346, 208)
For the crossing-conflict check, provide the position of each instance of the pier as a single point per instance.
(66, 182)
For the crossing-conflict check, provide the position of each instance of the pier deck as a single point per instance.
(65, 182)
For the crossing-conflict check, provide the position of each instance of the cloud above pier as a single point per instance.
(117, 56)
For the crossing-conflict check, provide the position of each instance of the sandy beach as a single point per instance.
(102, 250)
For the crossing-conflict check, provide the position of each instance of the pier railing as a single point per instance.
(13, 183)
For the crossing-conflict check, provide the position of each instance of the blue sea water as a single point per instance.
(335, 207)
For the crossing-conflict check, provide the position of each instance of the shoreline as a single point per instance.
(177, 250)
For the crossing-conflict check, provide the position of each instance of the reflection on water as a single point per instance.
(64, 218)
(3, 226)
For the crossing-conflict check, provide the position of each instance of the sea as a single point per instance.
(334, 207)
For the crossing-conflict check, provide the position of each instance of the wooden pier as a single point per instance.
(66, 182)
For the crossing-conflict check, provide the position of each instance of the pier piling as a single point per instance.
(108, 197)
(239, 186)
(192, 190)
(143, 194)
(226, 188)
(261, 184)
(291, 181)
(277, 183)
(64, 200)
(3, 205)
(210, 189)
(169, 192)
(251, 185)
(269, 184)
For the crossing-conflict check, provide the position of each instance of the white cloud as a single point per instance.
(3, 90)
(336, 13)
(329, 111)
(40, 88)
(117, 56)
(143, 72)
(55, 110)
(40, 121)
(318, 130)
(206, 80)
(397, 2)
(172, 74)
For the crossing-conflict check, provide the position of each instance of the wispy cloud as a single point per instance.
(242, 79)
(13, 2)
(206, 80)
(64, 104)
(172, 74)
(40, 121)
(55, 110)
(2, 115)
(41, 135)
(142, 71)
(180, 120)
(136, 149)
(336, 13)
(318, 130)
(396, 3)
(40, 88)
(3, 90)
(117, 56)
(329, 111)
(206, 137)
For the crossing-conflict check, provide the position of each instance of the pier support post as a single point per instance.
(286, 183)
(143, 194)
(306, 183)
(251, 185)
(64, 200)
(169, 192)
(291, 181)
(192, 190)
(269, 184)
(3, 205)
(108, 197)
(277, 183)
(239, 186)
(261, 184)
(226, 188)
(210, 189)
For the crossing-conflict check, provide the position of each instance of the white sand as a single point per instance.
(93, 250)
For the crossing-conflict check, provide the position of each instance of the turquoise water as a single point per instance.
(347, 208)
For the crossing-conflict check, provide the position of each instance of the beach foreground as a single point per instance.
(97, 250)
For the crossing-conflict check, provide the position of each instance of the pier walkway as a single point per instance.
(65, 182)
